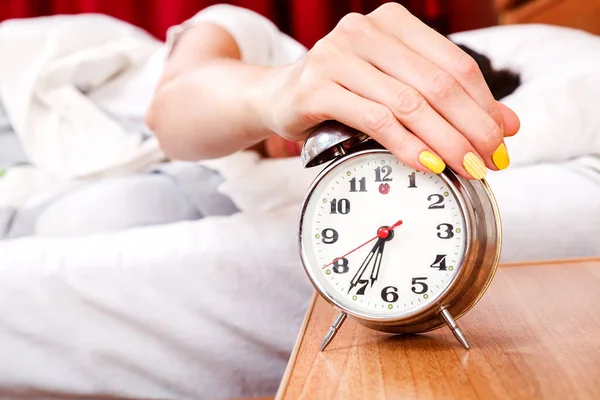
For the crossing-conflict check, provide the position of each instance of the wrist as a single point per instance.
(263, 98)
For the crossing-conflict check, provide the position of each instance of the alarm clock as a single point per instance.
(395, 249)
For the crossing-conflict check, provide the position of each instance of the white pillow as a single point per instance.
(558, 99)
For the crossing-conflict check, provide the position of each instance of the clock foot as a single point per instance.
(458, 334)
(333, 330)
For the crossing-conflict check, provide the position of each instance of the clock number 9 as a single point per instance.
(340, 266)
(390, 294)
(447, 232)
(423, 286)
(329, 236)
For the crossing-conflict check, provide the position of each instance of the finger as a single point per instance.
(441, 90)
(377, 121)
(413, 112)
(420, 38)
(512, 124)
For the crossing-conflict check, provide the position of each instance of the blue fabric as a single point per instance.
(173, 192)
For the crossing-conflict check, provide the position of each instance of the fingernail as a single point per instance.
(432, 162)
(474, 166)
(500, 157)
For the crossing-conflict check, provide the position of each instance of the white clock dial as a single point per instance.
(382, 239)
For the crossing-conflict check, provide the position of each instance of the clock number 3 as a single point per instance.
(445, 231)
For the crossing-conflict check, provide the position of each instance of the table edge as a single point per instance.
(533, 263)
(283, 385)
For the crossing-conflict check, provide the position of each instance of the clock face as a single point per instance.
(381, 239)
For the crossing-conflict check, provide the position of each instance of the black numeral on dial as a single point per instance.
(445, 231)
(440, 262)
(419, 287)
(362, 183)
(437, 203)
(342, 206)
(390, 294)
(364, 283)
(386, 170)
(340, 266)
(412, 178)
(329, 236)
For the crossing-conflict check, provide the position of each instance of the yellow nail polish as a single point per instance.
(432, 162)
(474, 166)
(500, 157)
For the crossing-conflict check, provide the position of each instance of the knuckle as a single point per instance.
(308, 80)
(495, 112)
(308, 114)
(392, 7)
(409, 101)
(491, 137)
(379, 119)
(444, 85)
(320, 52)
(466, 67)
(353, 23)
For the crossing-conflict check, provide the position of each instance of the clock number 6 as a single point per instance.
(447, 231)
(390, 294)
(423, 286)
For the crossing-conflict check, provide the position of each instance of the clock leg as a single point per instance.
(333, 330)
(458, 334)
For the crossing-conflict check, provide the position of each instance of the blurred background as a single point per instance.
(309, 20)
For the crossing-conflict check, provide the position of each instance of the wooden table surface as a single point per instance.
(534, 335)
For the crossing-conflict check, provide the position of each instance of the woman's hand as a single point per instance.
(389, 75)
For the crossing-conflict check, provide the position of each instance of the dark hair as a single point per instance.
(501, 82)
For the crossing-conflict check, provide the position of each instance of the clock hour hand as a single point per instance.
(377, 265)
(364, 265)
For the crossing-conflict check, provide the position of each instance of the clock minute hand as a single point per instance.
(364, 265)
(377, 265)
(384, 234)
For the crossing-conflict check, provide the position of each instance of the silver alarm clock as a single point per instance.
(395, 249)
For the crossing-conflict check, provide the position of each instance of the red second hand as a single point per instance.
(381, 233)
(351, 251)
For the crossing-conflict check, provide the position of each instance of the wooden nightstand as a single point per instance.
(534, 335)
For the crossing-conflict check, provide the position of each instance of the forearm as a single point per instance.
(204, 106)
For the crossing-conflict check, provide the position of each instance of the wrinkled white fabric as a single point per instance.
(48, 68)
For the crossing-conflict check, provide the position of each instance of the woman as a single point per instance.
(386, 74)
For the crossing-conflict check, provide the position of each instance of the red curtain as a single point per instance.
(306, 20)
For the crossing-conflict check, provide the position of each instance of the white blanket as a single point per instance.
(55, 73)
